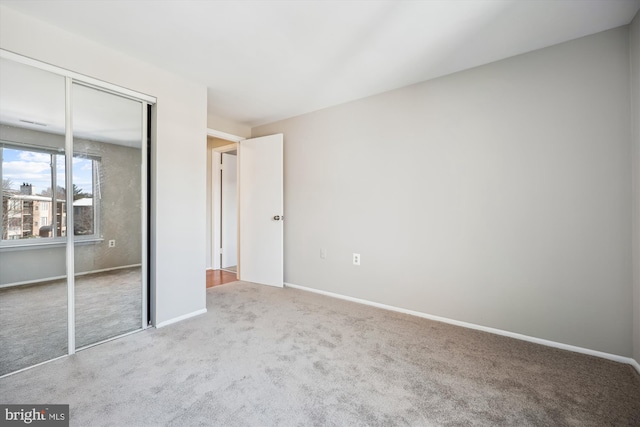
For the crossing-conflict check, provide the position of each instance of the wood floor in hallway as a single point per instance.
(219, 277)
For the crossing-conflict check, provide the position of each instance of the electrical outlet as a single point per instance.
(356, 259)
(323, 253)
(112, 243)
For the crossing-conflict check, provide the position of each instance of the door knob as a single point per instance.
(278, 218)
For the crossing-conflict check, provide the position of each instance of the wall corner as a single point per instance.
(634, 56)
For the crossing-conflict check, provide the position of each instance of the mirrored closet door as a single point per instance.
(107, 214)
(73, 252)
(33, 285)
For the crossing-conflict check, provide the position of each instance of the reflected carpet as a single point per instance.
(33, 318)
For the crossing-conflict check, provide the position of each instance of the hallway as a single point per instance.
(219, 277)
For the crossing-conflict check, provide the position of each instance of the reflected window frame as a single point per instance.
(56, 203)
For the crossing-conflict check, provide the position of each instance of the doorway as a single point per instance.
(223, 210)
(259, 199)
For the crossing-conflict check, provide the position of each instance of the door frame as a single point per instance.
(214, 160)
(215, 194)
(216, 206)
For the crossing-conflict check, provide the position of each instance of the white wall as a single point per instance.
(179, 147)
(497, 196)
(208, 210)
(229, 227)
(229, 126)
(634, 49)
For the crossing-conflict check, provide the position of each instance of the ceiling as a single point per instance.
(267, 60)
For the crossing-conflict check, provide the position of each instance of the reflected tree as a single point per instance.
(7, 184)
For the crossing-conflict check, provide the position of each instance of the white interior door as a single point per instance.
(261, 210)
(229, 229)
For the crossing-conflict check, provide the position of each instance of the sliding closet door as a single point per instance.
(107, 199)
(33, 284)
(73, 215)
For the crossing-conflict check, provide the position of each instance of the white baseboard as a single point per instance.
(49, 279)
(522, 337)
(122, 267)
(180, 318)
(31, 282)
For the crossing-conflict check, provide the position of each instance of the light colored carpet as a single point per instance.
(33, 318)
(264, 356)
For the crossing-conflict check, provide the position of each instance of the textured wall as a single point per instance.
(119, 215)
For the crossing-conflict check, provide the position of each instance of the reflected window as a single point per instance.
(34, 196)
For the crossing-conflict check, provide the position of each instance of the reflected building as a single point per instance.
(26, 215)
